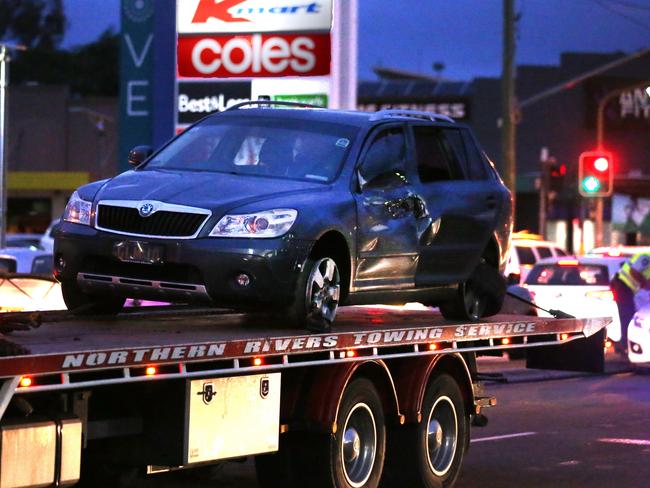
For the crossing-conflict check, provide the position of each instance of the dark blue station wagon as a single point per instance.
(294, 211)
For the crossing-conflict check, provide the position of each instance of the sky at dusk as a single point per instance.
(465, 35)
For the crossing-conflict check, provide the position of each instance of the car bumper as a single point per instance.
(638, 344)
(192, 270)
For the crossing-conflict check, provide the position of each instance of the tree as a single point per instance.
(89, 70)
(38, 24)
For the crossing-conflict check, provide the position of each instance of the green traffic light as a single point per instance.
(591, 184)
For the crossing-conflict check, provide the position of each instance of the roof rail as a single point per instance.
(237, 106)
(416, 114)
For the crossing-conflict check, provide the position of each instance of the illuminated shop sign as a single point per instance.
(246, 16)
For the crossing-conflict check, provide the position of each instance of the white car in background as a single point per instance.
(525, 250)
(638, 331)
(47, 241)
(577, 286)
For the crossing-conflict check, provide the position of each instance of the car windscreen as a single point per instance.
(577, 275)
(281, 148)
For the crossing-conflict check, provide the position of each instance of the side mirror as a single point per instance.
(139, 154)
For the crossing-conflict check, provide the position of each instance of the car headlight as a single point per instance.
(77, 210)
(270, 223)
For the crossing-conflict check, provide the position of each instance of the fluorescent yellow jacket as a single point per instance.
(635, 273)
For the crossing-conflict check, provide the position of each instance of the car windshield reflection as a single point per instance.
(280, 150)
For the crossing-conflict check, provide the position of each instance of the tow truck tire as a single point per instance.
(351, 457)
(430, 453)
(80, 303)
(482, 295)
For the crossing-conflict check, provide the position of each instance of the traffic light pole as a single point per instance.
(4, 81)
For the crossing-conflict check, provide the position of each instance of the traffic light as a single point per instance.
(596, 174)
(556, 176)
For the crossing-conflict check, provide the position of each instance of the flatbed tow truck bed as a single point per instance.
(61, 343)
(175, 388)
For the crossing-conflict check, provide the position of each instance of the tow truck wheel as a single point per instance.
(317, 295)
(80, 303)
(430, 453)
(351, 457)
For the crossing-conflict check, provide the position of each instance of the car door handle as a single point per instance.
(396, 208)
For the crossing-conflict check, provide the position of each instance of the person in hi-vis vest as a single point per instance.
(633, 276)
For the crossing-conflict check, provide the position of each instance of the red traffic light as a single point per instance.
(596, 174)
(601, 164)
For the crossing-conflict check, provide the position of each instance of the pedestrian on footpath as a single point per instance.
(633, 276)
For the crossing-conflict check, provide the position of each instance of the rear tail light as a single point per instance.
(568, 262)
(605, 295)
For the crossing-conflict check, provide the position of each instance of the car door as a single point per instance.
(387, 227)
(462, 210)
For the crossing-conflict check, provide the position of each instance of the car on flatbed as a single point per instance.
(295, 211)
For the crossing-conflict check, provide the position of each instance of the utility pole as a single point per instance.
(508, 100)
(4, 84)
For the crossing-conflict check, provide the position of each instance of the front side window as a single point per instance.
(261, 147)
(386, 155)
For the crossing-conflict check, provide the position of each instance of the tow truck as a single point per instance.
(388, 395)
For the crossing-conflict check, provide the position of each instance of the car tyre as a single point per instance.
(317, 295)
(351, 457)
(430, 454)
(482, 295)
(80, 303)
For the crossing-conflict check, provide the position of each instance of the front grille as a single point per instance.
(162, 223)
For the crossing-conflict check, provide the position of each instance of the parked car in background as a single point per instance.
(31, 241)
(297, 211)
(638, 330)
(619, 251)
(525, 250)
(30, 260)
(47, 239)
(577, 286)
(8, 263)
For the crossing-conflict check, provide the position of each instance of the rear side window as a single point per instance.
(476, 169)
(577, 275)
(544, 252)
(436, 159)
(525, 255)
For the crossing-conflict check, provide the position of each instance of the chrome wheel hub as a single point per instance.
(324, 288)
(442, 435)
(359, 445)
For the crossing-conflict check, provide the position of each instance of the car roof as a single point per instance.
(534, 243)
(354, 118)
(620, 250)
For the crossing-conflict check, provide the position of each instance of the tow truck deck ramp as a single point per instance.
(190, 386)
